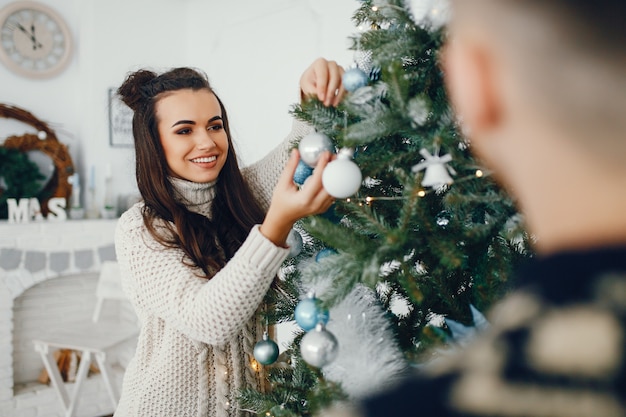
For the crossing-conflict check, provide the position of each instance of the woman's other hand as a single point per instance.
(322, 79)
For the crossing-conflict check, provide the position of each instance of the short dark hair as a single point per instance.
(599, 25)
(568, 57)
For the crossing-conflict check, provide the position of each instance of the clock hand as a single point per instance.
(31, 35)
(33, 38)
(20, 27)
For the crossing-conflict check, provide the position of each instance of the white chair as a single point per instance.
(92, 340)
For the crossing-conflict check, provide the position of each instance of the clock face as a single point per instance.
(34, 40)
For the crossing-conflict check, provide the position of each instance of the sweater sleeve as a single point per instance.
(213, 311)
(263, 175)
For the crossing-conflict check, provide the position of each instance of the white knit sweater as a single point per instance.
(194, 351)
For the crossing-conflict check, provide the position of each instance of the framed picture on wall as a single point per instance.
(120, 122)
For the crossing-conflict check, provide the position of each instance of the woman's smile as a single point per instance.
(192, 134)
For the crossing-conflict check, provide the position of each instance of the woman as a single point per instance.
(199, 253)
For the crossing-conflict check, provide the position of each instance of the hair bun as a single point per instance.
(133, 90)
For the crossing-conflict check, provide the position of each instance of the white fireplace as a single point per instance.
(48, 276)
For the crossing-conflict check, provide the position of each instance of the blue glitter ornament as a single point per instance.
(324, 253)
(309, 312)
(266, 351)
(354, 78)
(295, 243)
(303, 171)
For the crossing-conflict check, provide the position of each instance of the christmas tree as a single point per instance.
(400, 269)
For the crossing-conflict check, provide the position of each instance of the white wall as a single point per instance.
(253, 51)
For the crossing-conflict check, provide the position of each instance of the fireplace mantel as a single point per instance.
(36, 251)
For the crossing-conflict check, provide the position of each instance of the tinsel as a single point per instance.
(369, 359)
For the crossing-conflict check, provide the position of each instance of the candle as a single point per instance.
(92, 178)
(75, 180)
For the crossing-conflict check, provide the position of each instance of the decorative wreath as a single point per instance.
(17, 168)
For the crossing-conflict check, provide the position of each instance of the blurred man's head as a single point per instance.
(540, 86)
(561, 61)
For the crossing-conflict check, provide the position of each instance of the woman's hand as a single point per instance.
(289, 204)
(322, 79)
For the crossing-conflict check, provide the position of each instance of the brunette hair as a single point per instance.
(209, 243)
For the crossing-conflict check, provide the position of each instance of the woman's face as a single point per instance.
(192, 134)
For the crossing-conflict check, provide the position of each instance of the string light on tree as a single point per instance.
(437, 173)
(479, 173)
(278, 411)
(342, 177)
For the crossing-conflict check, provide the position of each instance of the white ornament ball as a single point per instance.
(342, 177)
(319, 347)
(42, 135)
(312, 146)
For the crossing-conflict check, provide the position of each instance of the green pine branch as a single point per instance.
(428, 254)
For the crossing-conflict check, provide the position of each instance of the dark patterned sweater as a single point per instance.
(556, 348)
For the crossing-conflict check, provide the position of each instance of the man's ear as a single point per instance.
(469, 76)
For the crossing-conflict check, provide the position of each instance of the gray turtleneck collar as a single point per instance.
(197, 197)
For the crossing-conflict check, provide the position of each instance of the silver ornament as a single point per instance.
(312, 146)
(319, 347)
(342, 177)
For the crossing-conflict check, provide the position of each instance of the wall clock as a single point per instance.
(35, 41)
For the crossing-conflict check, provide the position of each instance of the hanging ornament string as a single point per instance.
(356, 77)
(266, 350)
